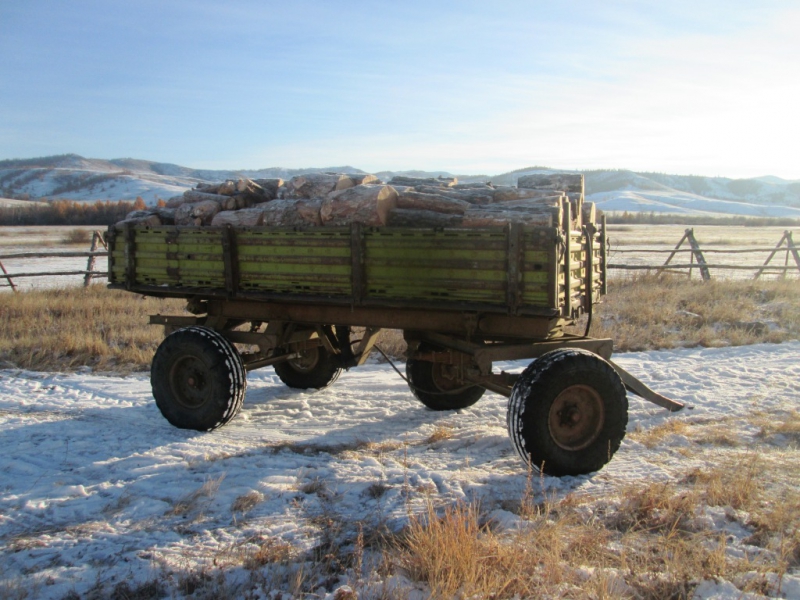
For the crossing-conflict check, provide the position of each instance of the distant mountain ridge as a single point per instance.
(74, 177)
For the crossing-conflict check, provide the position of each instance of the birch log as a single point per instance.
(367, 204)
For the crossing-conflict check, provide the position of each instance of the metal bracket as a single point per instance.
(632, 384)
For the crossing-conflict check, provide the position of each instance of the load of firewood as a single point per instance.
(337, 199)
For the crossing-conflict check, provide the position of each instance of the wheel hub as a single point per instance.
(306, 361)
(445, 377)
(576, 417)
(188, 382)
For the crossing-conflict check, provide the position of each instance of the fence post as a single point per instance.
(698, 254)
(787, 236)
(87, 279)
(793, 249)
(669, 258)
(8, 278)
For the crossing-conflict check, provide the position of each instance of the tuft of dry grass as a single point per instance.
(193, 501)
(77, 236)
(440, 433)
(247, 502)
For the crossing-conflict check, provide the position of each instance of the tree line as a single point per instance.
(652, 218)
(69, 212)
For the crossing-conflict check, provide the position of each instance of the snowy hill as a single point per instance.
(77, 178)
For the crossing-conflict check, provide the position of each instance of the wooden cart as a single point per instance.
(464, 299)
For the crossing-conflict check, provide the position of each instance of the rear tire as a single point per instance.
(430, 382)
(568, 412)
(198, 379)
(315, 368)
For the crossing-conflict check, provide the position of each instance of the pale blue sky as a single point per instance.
(697, 87)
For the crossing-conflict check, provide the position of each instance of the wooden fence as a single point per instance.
(785, 249)
(88, 274)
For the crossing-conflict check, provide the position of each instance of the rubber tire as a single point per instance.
(205, 352)
(323, 373)
(425, 389)
(533, 395)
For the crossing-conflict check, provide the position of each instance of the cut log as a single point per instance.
(569, 182)
(225, 188)
(270, 186)
(149, 220)
(367, 204)
(432, 202)
(291, 213)
(401, 217)
(589, 213)
(193, 196)
(176, 201)
(316, 185)
(247, 217)
(138, 214)
(473, 196)
(511, 194)
(499, 219)
(473, 186)
(363, 178)
(166, 215)
(197, 213)
(516, 212)
(415, 181)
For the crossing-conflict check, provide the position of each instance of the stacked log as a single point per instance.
(338, 199)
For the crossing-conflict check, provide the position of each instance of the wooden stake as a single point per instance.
(8, 278)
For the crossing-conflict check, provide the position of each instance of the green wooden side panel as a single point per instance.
(458, 266)
(436, 265)
(295, 262)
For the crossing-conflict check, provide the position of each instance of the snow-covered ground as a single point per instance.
(96, 488)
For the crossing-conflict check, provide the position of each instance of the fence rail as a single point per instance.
(88, 274)
(785, 249)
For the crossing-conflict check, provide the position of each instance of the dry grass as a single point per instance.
(61, 330)
(108, 330)
(644, 542)
(649, 312)
(655, 435)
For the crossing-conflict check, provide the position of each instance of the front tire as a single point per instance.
(315, 368)
(437, 386)
(198, 379)
(568, 412)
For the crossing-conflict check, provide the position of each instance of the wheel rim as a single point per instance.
(445, 377)
(190, 387)
(307, 360)
(576, 417)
